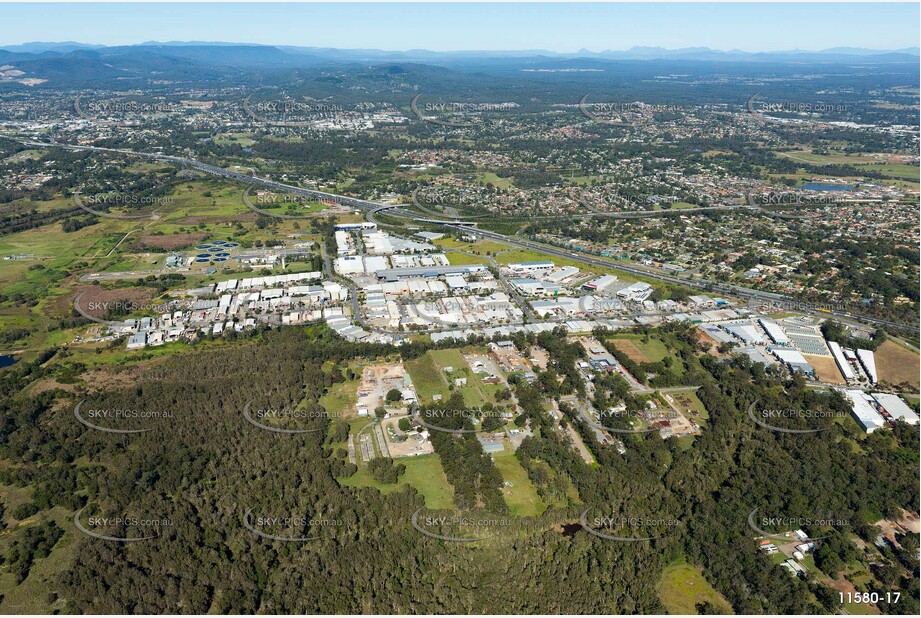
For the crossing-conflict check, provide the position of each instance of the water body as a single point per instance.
(6, 360)
(818, 186)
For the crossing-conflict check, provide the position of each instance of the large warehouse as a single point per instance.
(864, 412)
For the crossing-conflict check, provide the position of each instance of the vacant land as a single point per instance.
(341, 399)
(429, 375)
(826, 369)
(169, 242)
(427, 476)
(690, 401)
(631, 350)
(896, 364)
(424, 473)
(520, 495)
(641, 350)
(456, 258)
(683, 586)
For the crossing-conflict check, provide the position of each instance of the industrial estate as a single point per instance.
(300, 330)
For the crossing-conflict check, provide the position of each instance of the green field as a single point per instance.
(455, 258)
(683, 586)
(424, 473)
(690, 400)
(340, 399)
(653, 347)
(521, 497)
(491, 178)
(31, 596)
(430, 378)
(483, 247)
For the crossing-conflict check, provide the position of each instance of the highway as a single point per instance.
(374, 207)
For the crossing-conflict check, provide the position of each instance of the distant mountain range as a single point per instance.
(71, 63)
(191, 49)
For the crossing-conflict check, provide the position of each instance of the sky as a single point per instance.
(557, 27)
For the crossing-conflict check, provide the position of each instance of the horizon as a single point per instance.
(408, 50)
(562, 28)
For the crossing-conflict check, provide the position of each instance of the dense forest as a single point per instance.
(201, 469)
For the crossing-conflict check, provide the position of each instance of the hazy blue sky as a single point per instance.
(557, 27)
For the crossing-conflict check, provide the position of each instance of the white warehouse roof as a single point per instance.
(896, 408)
(864, 413)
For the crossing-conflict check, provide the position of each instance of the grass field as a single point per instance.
(427, 378)
(424, 473)
(690, 401)
(430, 378)
(521, 497)
(341, 399)
(641, 351)
(896, 364)
(491, 178)
(456, 258)
(427, 476)
(483, 247)
(683, 586)
(31, 596)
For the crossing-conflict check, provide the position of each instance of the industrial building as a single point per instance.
(561, 274)
(534, 287)
(774, 331)
(793, 359)
(395, 274)
(746, 331)
(530, 267)
(896, 408)
(843, 365)
(638, 292)
(599, 284)
(868, 362)
(864, 412)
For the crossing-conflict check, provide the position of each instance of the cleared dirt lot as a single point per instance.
(415, 444)
(896, 364)
(629, 348)
(169, 241)
(826, 369)
(377, 381)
